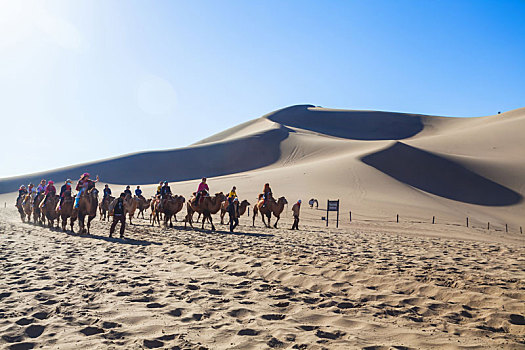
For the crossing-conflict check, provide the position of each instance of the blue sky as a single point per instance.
(85, 80)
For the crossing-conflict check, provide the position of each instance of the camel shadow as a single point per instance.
(222, 232)
(129, 241)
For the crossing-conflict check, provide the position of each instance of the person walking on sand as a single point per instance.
(118, 215)
(296, 209)
(233, 211)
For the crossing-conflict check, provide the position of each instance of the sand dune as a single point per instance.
(456, 166)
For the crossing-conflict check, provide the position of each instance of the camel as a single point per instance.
(154, 213)
(313, 202)
(37, 213)
(242, 209)
(87, 206)
(130, 205)
(143, 205)
(271, 207)
(49, 210)
(170, 207)
(26, 207)
(103, 207)
(66, 210)
(20, 208)
(206, 207)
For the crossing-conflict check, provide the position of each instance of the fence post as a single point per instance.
(397, 217)
(350, 216)
(248, 211)
(433, 220)
(506, 228)
(488, 225)
(467, 221)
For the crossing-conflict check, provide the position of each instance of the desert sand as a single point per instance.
(372, 283)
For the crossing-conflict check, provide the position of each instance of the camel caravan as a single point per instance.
(44, 206)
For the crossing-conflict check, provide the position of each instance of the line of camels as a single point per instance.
(89, 204)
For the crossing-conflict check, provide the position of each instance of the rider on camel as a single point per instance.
(84, 184)
(232, 195)
(49, 191)
(267, 193)
(127, 191)
(165, 192)
(138, 192)
(21, 191)
(107, 191)
(40, 189)
(66, 187)
(203, 190)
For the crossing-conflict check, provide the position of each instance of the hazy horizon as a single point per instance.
(89, 80)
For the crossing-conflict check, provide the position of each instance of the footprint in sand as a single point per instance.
(154, 306)
(248, 332)
(153, 344)
(41, 315)
(91, 331)
(24, 321)
(517, 319)
(176, 313)
(329, 335)
(22, 346)
(34, 331)
(273, 317)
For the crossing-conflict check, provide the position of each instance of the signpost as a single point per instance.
(332, 206)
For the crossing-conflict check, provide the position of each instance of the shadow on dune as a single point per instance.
(442, 177)
(356, 125)
(125, 240)
(182, 164)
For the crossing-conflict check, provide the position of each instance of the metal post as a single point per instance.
(488, 225)
(397, 217)
(433, 220)
(467, 221)
(327, 202)
(350, 216)
(337, 222)
(506, 228)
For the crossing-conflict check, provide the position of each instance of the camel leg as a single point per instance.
(89, 223)
(275, 225)
(222, 217)
(211, 222)
(175, 217)
(254, 215)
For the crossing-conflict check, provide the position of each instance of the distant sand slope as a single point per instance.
(376, 162)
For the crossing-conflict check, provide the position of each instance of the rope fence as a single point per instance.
(470, 222)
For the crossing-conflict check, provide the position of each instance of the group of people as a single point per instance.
(85, 183)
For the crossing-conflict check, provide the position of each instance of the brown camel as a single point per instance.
(49, 209)
(240, 212)
(271, 207)
(20, 208)
(27, 206)
(130, 205)
(104, 207)
(66, 210)
(170, 207)
(87, 206)
(37, 213)
(154, 213)
(206, 206)
(143, 205)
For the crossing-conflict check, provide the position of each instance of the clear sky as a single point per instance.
(85, 80)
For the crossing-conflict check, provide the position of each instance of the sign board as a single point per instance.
(332, 206)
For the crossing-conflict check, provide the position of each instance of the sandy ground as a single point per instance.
(366, 285)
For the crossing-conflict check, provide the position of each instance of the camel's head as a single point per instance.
(181, 199)
(282, 200)
(94, 192)
(220, 196)
(245, 202)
